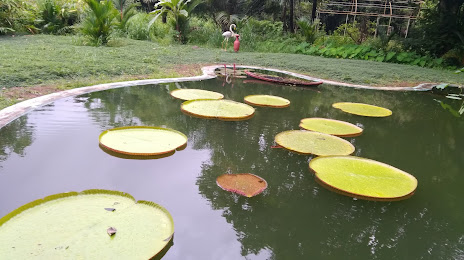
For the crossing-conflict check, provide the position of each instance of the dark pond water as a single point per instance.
(55, 149)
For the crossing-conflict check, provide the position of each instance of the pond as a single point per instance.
(54, 149)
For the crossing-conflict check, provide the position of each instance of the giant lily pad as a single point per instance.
(362, 109)
(267, 101)
(245, 184)
(307, 142)
(79, 226)
(142, 140)
(191, 94)
(219, 109)
(363, 178)
(331, 126)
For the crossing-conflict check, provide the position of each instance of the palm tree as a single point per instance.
(99, 21)
(179, 11)
(126, 12)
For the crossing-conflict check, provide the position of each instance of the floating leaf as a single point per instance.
(331, 126)
(142, 140)
(307, 142)
(363, 178)
(72, 226)
(191, 94)
(267, 101)
(110, 209)
(219, 109)
(245, 184)
(362, 109)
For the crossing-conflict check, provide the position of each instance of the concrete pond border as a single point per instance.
(12, 112)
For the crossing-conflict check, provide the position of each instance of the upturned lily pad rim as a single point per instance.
(53, 197)
(354, 134)
(221, 96)
(388, 111)
(356, 195)
(179, 148)
(216, 117)
(303, 153)
(266, 105)
(57, 196)
(238, 192)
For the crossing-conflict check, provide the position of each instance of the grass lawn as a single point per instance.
(59, 62)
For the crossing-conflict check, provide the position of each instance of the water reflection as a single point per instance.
(294, 218)
(15, 137)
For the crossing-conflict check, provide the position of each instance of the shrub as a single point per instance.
(17, 16)
(126, 11)
(204, 32)
(162, 33)
(333, 40)
(99, 22)
(178, 11)
(137, 27)
(309, 30)
(358, 32)
(366, 52)
(56, 17)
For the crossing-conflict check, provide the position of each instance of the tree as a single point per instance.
(440, 30)
(179, 10)
(126, 12)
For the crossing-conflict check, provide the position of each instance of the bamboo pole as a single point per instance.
(407, 29)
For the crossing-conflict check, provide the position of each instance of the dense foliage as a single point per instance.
(435, 40)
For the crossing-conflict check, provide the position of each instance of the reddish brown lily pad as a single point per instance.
(245, 184)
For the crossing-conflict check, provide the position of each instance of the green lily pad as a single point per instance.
(245, 184)
(267, 101)
(76, 226)
(220, 109)
(142, 140)
(363, 109)
(307, 142)
(331, 127)
(191, 94)
(363, 178)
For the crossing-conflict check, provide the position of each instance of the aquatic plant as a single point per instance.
(362, 109)
(331, 126)
(245, 184)
(363, 178)
(191, 94)
(142, 140)
(307, 142)
(97, 224)
(219, 109)
(267, 101)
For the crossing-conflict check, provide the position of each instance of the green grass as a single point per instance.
(47, 59)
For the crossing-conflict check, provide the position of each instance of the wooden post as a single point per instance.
(407, 28)
(346, 24)
(377, 27)
(389, 22)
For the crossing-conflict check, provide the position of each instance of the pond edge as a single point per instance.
(10, 113)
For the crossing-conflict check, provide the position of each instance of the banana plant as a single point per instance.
(179, 10)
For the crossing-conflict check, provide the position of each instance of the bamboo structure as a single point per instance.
(389, 9)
